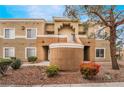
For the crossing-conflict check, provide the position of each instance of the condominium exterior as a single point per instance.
(122, 54)
(22, 38)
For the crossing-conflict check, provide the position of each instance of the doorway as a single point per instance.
(46, 53)
(86, 53)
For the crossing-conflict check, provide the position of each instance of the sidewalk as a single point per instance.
(45, 63)
(112, 84)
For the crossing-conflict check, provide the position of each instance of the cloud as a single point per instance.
(32, 11)
(46, 12)
(56, 7)
(35, 12)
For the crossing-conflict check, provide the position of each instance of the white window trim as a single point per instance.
(104, 53)
(4, 51)
(30, 48)
(4, 33)
(31, 38)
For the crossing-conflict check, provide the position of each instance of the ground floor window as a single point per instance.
(30, 51)
(8, 52)
(100, 53)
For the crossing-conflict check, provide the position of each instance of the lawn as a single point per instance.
(35, 75)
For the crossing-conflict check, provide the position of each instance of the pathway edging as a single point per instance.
(111, 84)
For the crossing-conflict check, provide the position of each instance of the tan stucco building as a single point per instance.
(32, 37)
(122, 54)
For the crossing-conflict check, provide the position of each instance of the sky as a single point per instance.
(31, 11)
(34, 11)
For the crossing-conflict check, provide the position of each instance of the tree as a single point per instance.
(109, 16)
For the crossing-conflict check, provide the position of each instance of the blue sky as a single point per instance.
(33, 11)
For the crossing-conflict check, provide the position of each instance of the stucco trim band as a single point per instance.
(59, 36)
(66, 45)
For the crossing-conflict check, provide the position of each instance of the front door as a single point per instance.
(86, 53)
(46, 52)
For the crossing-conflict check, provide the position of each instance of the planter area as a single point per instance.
(36, 75)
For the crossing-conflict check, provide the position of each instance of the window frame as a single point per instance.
(100, 57)
(27, 33)
(30, 48)
(4, 51)
(4, 33)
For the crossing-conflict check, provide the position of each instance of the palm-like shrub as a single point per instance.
(4, 65)
(16, 64)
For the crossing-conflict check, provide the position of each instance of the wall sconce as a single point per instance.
(23, 27)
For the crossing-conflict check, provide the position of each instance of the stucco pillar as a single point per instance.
(67, 56)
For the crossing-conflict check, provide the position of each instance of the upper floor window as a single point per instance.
(31, 33)
(9, 33)
(9, 52)
(100, 33)
(100, 53)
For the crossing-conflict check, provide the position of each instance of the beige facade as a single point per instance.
(122, 54)
(57, 31)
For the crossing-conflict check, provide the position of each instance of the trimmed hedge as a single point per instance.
(32, 59)
(13, 58)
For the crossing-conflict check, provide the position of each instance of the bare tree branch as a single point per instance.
(120, 12)
(119, 22)
(100, 16)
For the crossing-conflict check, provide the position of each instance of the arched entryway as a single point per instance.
(67, 29)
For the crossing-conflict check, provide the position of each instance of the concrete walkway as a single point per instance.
(45, 63)
(112, 84)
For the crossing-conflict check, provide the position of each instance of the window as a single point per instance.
(30, 51)
(100, 53)
(8, 52)
(31, 33)
(100, 33)
(9, 33)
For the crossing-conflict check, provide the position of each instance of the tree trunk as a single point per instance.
(115, 65)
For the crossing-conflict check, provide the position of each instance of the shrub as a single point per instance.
(52, 70)
(88, 70)
(16, 64)
(4, 65)
(13, 58)
(32, 59)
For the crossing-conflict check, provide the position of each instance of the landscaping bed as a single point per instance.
(35, 75)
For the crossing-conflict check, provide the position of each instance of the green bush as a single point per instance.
(16, 64)
(4, 65)
(52, 70)
(13, 58)
(32, 59)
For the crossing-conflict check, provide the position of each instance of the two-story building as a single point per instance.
(22, 38)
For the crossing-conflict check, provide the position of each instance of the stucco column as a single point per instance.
(75, 26)
(55, 29)
(67, 56)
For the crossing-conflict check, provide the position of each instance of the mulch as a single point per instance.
(35, 75)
